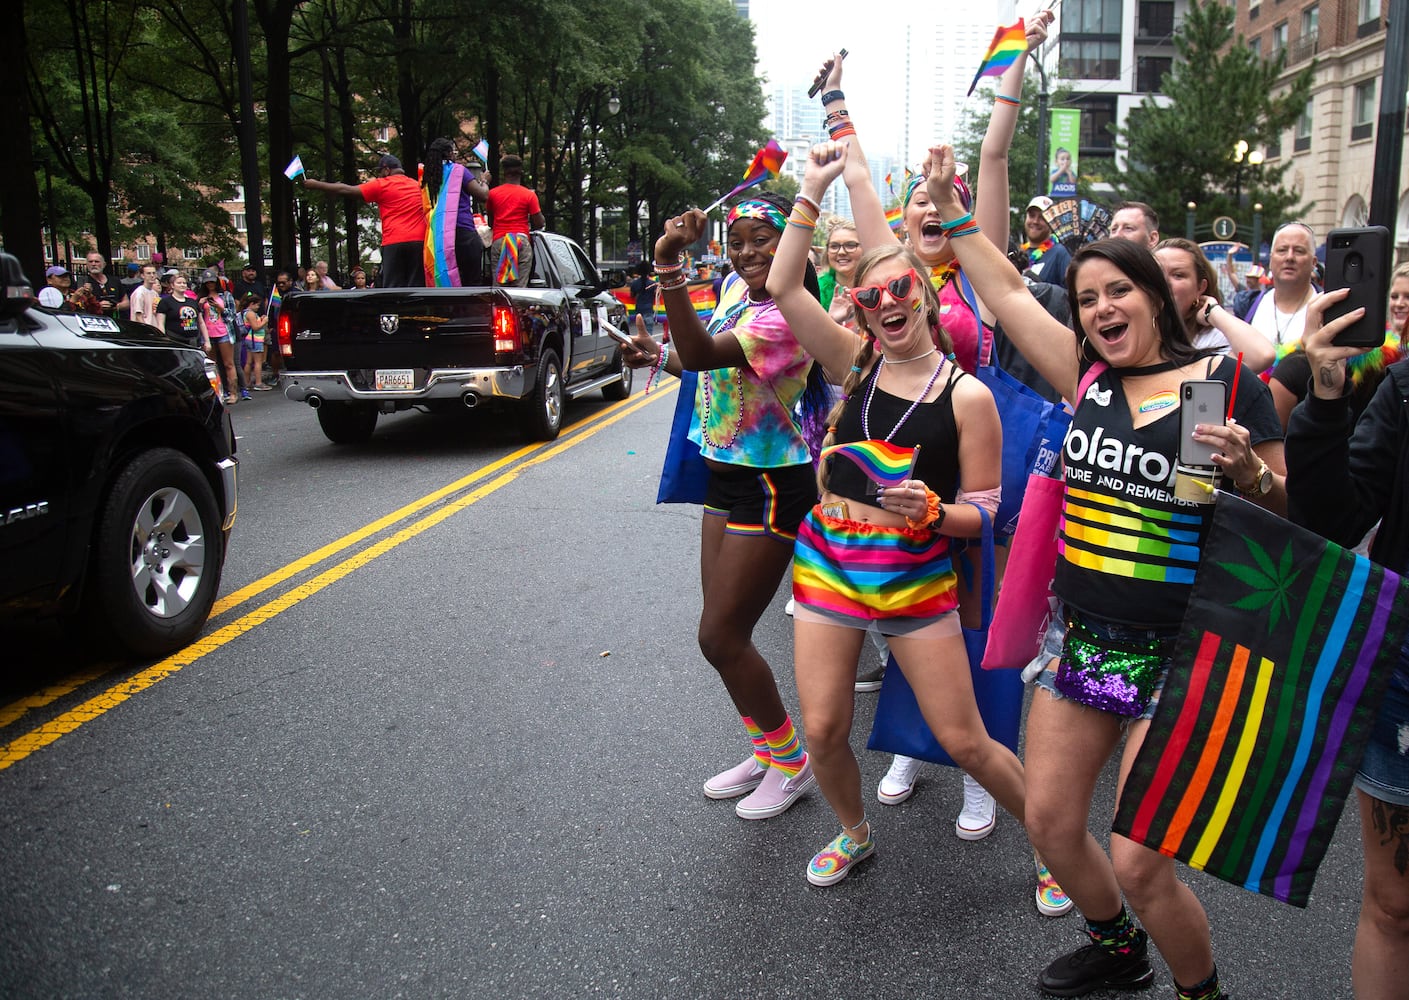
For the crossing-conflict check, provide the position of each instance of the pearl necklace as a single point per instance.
(871, 391)
(906, 361)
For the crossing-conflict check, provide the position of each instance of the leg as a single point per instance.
(225, 351)
(937, 668)
(1169, 910)
(1380, 963)
(825, 657)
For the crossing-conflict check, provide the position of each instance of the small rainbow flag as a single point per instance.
(767, 164)
(1008, 46)
(886, 463)
(895, 217)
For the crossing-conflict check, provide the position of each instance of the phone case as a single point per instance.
(1200, 402)
(1359, 259)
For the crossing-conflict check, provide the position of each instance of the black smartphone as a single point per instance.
(1200, 402)
(1359, 259)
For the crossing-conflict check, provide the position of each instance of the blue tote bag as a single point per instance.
(684, 477)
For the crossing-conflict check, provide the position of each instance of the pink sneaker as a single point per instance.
(776, 793)
(737, 780)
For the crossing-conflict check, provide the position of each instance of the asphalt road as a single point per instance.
(460, 755)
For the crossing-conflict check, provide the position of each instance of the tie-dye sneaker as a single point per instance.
(1051, 901)
(835, 861)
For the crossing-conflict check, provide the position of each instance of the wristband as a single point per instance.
(1208, 311)
(1005, 99)
(833, 95)
(958, 223)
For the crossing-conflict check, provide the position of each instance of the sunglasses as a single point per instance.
(868, 297)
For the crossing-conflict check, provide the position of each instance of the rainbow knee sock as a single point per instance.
(1116, 935)
(1206, 990)
(786, 749)
(761, 753)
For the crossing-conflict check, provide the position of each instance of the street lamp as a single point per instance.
(1041, 126)
(1257, 232)
(1189, 219)
(613, 103)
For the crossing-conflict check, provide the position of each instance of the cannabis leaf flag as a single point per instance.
(1285, 651)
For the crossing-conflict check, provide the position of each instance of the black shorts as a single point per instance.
(762, 502)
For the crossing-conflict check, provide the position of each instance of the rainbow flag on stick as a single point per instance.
(767, 164)
(886, 463)
(1286, 649)
(1008, 46)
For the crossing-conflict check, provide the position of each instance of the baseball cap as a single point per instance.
(1041, 203)
(55, 271)
(388, 162)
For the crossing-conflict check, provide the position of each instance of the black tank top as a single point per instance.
(931, 426)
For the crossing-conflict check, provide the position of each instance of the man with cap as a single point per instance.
(1047, 259)
(513, 211)
(249, 283)
(55, 291)
(398, 201)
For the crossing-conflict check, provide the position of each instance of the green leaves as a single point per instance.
(1269, 584)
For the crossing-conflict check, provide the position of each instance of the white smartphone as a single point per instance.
(1200, 402)
(617, 335)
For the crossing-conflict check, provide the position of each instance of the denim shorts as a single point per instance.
(1052, 650)
(1384, 770)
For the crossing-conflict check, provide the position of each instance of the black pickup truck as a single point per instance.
(353, 355)
(117, 476)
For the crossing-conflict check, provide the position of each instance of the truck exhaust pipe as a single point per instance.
(470, 399)
(314, 400)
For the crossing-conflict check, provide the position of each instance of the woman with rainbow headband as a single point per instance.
(753, 374)
(881, 560)
(1129, 549)
(454, 252)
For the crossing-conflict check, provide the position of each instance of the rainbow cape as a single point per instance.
(442, 269)
(767, 164)
(886, 463)
(1285, 652)
(1008, 46)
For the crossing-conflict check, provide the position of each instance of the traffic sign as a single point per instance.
(1224, 227)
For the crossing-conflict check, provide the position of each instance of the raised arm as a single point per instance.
(991, 205)
(695, 348)
(1257, 351)
(333, 187)
(866, 209)
(1049, 346)
(832, 344)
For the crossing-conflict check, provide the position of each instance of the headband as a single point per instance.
(756, 208)
(965, 195)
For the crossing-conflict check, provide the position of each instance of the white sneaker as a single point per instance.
(789, 607)
(899, 782)
(980, 813)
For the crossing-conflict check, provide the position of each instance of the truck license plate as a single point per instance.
(393, 379)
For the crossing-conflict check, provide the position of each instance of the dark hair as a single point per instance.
(437, 153)
(1202, 267)
(1151, 219)
(247, 300)
(1137, 263)
(511, 164)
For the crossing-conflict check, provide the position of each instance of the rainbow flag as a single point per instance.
(1008, 46)
(886, 463)
(895, 217)
(1286, 649)
(507, 271)
(438, 256)
(767, 164)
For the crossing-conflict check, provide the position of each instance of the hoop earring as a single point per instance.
(1082, 349)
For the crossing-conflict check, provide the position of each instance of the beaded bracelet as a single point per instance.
(668, 285)
(659, 366)
(832, 95)
(1005, 99)
(958, 223)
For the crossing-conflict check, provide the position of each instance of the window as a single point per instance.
(192, 253)
(1301, 140)
(1368, 19)
(118, 253)
(237, 220)
(1156, 19)
(384, 134)
(1305, 45)
(1097, 117)
(1363, 111)
(1274, 147)
(1253, 10)
(1255, 46)
(239, 193)
(1090, 60)
(1090, 48)
(144, 251)
(1279, 39)
(1093, 17)
(1149, 70)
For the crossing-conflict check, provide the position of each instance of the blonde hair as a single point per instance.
(866, 354)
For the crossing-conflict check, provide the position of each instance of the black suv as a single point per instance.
(117, 475)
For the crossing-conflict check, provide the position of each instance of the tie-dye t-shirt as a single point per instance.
(1128, 547)
(744, 416)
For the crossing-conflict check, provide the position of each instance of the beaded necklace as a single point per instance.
(728, 322)
(871, 391)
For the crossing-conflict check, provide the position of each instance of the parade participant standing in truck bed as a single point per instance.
(398, 200)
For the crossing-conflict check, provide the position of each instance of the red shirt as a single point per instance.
(510, 205)
(398, 199)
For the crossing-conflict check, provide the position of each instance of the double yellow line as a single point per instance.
(503, 471)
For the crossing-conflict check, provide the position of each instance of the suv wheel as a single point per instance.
(543, 408)
(347, 423)
(158, 554)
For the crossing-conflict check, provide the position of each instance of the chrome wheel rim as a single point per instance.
(168, 552)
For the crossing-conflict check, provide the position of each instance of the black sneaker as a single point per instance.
(1095, 968)
(870, 680)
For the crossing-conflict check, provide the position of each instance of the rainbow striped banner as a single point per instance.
(886, 463)
(1287, 647)
(702, 297)
(1008, 46)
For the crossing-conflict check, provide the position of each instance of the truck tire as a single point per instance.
(543, 407)
(622, 389)
(347, 423)
(157, 556)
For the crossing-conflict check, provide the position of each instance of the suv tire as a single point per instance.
(347, 423)
(543, 408)
(157, 554)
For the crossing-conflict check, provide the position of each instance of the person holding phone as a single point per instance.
(1339, 483)
(1129, 552)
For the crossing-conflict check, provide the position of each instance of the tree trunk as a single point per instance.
(406, 93)
(276, 18)
(349, 160)
(19, 193)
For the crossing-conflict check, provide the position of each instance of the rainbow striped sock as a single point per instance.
(761, 753)
(786, 749)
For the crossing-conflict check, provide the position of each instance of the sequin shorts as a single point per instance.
(1052, 650)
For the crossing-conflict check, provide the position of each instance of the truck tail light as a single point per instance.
(506, 329)
(285, 335)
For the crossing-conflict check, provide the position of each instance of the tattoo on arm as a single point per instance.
(1328, 376)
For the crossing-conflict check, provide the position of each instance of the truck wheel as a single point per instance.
(622, 389)
(347, 423)
(158, 553)
(543, 408)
